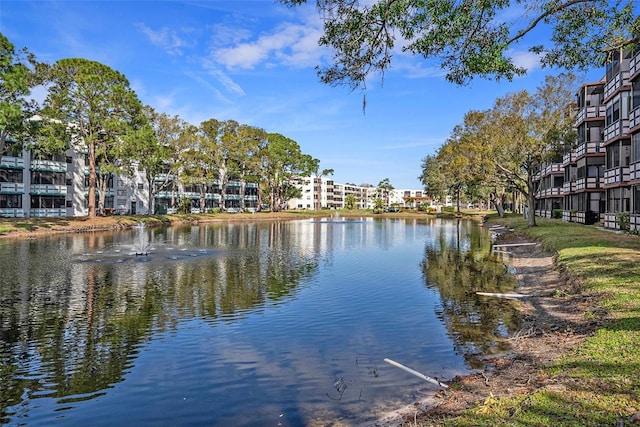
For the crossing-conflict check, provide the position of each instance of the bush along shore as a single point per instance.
(576, 360)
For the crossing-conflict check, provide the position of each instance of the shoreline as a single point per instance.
(552, 326)
(35, 227)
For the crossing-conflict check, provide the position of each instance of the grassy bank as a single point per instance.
(598, 383)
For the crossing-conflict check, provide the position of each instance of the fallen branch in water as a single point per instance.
(499, 295)
(416, 373)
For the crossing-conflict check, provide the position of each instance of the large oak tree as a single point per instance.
(468, 38)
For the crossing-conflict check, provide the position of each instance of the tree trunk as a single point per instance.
(497, 203)
(242, 190)
(92, 180)
(102, 194)
(531, 201)
(203, 190)
(151, 199)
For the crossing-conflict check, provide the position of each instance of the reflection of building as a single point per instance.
(57, 186)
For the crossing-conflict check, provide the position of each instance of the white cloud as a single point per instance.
(525, 59)
(167, 39)
(226, 81)
(289, 44)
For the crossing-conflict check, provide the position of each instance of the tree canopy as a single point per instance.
(19, 72)
(505, 146)
(100, 108)
(469, 38)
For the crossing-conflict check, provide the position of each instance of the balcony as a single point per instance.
(164, 177)
(591, 183)
(12, 213)
(591, 112)
(10, 162)
(569, 158)
(592, 147)
(634, 67)
(634, 171)
(617, 129)
(568, 187)
(619, 175)
(48, 190)
(11, 188)
(618, 81)
(48, 165)
(552, 192)
(49, 212)
(634, 118)
(553, 168)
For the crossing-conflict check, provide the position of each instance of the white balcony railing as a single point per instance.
(12, 187)
(591, 147)
(619, 128)
(619, 80)
(615, 176)
(12, 213)
(48, 165)
(48, 212)
(48, 190)
(12, 162)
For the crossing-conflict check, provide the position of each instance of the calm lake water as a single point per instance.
(265, 323)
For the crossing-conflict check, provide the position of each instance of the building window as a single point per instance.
(635, 94)
(140, 186)
(613, 113)
(10, 175)
(10, 201)
(635, 148)
(613, 66)
(48, 178)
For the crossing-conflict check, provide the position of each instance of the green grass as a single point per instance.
(604, 372)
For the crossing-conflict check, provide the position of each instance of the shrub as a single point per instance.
(556, 214)
(623, 220)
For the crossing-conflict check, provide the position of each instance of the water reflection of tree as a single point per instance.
(458, 269)
(54, 346)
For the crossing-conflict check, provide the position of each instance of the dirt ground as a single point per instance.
(553, 324)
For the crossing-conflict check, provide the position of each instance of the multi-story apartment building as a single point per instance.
(617, 139)
(583, 200)
(634, 130)
(323, 193)
(549, 182)
(333, 195)
(57, 186)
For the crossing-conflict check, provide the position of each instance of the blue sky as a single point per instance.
(253, 62)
